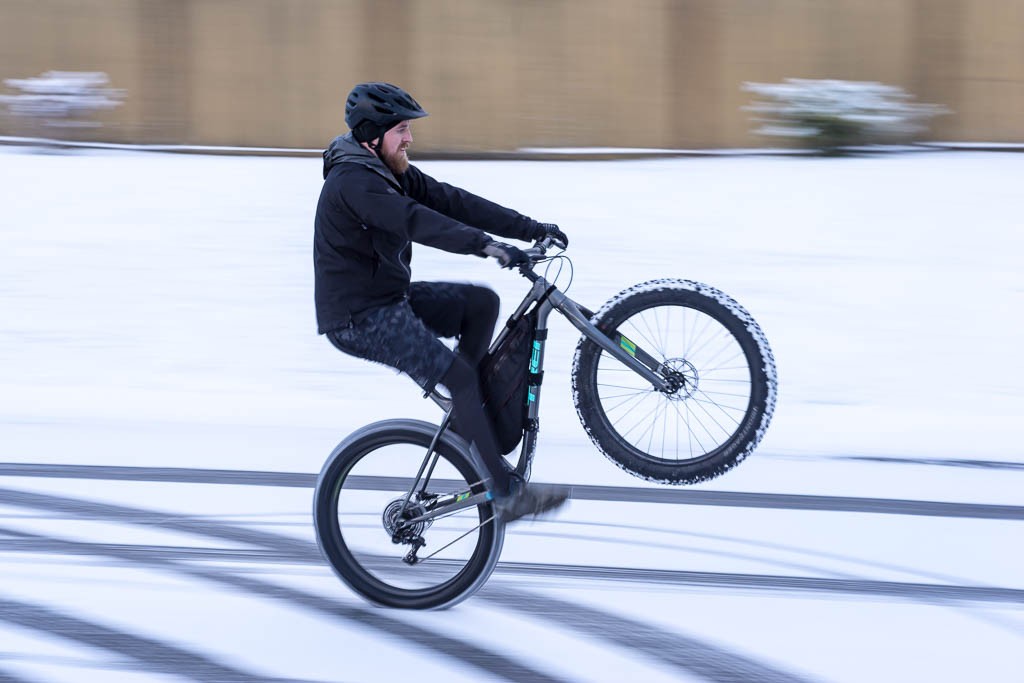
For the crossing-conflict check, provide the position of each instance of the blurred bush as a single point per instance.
(835, 116)
(60, 99)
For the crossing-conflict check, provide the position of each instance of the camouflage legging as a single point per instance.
(404, 335)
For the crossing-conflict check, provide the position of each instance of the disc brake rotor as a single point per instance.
(681, 377)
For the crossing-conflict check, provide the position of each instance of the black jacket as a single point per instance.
(367, 218)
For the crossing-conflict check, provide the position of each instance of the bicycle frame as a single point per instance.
(544, 297)
(547, 297)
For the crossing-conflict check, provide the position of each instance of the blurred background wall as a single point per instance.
(507, 74)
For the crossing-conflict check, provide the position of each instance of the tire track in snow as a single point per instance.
(794, 584)
(937, 462)
(470, 653)
(153, 655)
(624, 494)
(464, 652)
(696, 657)
(916, 591)
(7, 677)
(693, 656)
(189, 524)
(283, 549)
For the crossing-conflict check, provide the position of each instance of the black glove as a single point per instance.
(559, 238)
(507, 255)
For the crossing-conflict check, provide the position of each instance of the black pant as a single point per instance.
(404, 335)
(457, 310)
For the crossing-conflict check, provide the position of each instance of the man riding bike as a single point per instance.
(373, 205)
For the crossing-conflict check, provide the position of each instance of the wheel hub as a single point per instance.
(681, 379)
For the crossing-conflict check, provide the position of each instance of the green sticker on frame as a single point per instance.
(629, 346)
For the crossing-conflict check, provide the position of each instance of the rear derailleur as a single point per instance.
(396, 517)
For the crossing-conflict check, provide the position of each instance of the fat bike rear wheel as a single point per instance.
(362, 518)
(720, 374)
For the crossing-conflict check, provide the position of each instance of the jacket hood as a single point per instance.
(345, 150)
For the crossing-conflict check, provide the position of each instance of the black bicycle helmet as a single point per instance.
(373, 109)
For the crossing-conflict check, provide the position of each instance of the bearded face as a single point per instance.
(393, 149)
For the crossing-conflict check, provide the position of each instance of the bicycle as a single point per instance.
(666, 364)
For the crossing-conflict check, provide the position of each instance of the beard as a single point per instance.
(398, 161)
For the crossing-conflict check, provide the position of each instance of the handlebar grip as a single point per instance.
(539, 248)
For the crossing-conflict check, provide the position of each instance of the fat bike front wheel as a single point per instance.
(720, 374)
(366, 526)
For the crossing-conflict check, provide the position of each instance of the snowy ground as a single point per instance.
(156, 313)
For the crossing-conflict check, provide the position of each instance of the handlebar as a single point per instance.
(539, 249)
(536, 253)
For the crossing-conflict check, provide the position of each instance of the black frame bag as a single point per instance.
(504, 375)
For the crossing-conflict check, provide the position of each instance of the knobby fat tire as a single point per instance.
(746, 332)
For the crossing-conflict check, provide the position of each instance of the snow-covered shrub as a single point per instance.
(832, 116)
(61, 99)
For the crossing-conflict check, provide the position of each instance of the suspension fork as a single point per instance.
(617, 345)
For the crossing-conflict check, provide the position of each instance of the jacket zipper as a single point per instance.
(401, 261)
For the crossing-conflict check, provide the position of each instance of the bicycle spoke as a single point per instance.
(720, 407)
(698, 416)
(708, 365)
(689, 428)
(639, 423)
(619, 386)
(698, 332)
(656, 340)
(651, 422)
(664, 332)
(605, 397)
(654, 423)
(622, 403)
(664, 430)
(727, 343)
(712, 417)
(444, 547)
(741, 411)
(621, 368)
(645, 339)
(723, 393)
(649, 339)
(676, 424)
(714, 371)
